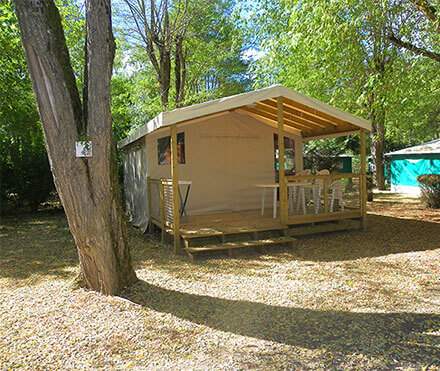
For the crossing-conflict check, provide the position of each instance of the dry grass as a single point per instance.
(357, 300)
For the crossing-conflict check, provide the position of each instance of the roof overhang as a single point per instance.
(304, 116)
(429, 148)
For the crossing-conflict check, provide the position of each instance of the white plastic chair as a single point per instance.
(318, 190)
(337, 195)
(300, 199)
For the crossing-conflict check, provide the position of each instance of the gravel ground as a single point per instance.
(354, 300)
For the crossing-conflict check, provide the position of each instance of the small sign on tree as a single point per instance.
(83, 148)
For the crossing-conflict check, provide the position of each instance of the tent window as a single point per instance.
(164, 149)
(289, 163)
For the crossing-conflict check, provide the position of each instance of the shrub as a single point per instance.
(26, 180)
(430, 189)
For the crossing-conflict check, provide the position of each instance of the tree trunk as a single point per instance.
(88, 187)
(180, 72)
(377, 150)
(165, 77)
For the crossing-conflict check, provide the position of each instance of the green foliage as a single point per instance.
(24, 168)
(214, 65)
(323, 154)
(73, 21)
(334, 51)
(430, 189)
(215, 43)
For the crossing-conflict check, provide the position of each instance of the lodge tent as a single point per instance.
(225, 147)
(407, 164)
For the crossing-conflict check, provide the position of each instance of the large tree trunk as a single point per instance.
(88, 188)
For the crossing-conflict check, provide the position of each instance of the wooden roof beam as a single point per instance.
(309, 119)
(269, 122)
(331, 133)
(306, 124)
(314, 112)
(274, 118)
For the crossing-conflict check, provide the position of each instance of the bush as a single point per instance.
(26, 179)
(430, 189)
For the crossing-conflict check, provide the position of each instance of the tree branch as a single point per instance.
(429, 11)
(413, 48)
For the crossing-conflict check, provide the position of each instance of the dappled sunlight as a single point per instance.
(36, 248)
(369, 298)
(404, 334)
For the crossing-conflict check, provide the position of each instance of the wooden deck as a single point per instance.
(229, 231)
(227, 223)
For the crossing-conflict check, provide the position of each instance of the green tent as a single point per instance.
(407, 164)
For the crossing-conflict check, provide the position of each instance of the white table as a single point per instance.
(299, 188)
(274, 186)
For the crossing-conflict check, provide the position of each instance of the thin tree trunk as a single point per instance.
(88, 188)
(377, 149)
(180, 72)
(165, 77)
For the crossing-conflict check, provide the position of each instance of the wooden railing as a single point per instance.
(160, 201)
(352, 188)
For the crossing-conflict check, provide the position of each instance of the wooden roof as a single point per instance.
(303, 116)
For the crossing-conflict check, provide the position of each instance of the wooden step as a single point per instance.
(342, 225)
(228, 231)
(242, 244)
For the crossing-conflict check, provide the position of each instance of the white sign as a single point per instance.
(83, 149)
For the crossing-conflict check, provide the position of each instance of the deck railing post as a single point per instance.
(281, 162)
(363, 178)
(175, 185)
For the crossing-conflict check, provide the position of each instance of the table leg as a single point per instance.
(274, 203)
(263, 196)
(289, 197)
(183, 203)
(180, 200)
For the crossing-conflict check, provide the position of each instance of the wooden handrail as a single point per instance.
(294, 178)
(160, 180)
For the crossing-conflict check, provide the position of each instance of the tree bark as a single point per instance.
(179, 71)
(88, 187)
(160, 35)
(378, 146)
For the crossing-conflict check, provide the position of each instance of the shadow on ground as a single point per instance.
(402, 337)
(385, 235)
(41, 245)
(35, 246)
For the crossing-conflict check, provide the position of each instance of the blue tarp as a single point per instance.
(406, 169)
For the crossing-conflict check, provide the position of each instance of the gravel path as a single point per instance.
(356, 300)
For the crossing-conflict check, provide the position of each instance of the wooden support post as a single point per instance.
(281, 162)
(149, 201)
(162, 211)
(175, 182)
(363, 178)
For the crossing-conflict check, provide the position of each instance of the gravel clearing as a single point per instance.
(352, 300)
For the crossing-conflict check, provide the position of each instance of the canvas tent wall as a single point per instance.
(407, 164)
(225, 156)
(135, 167)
